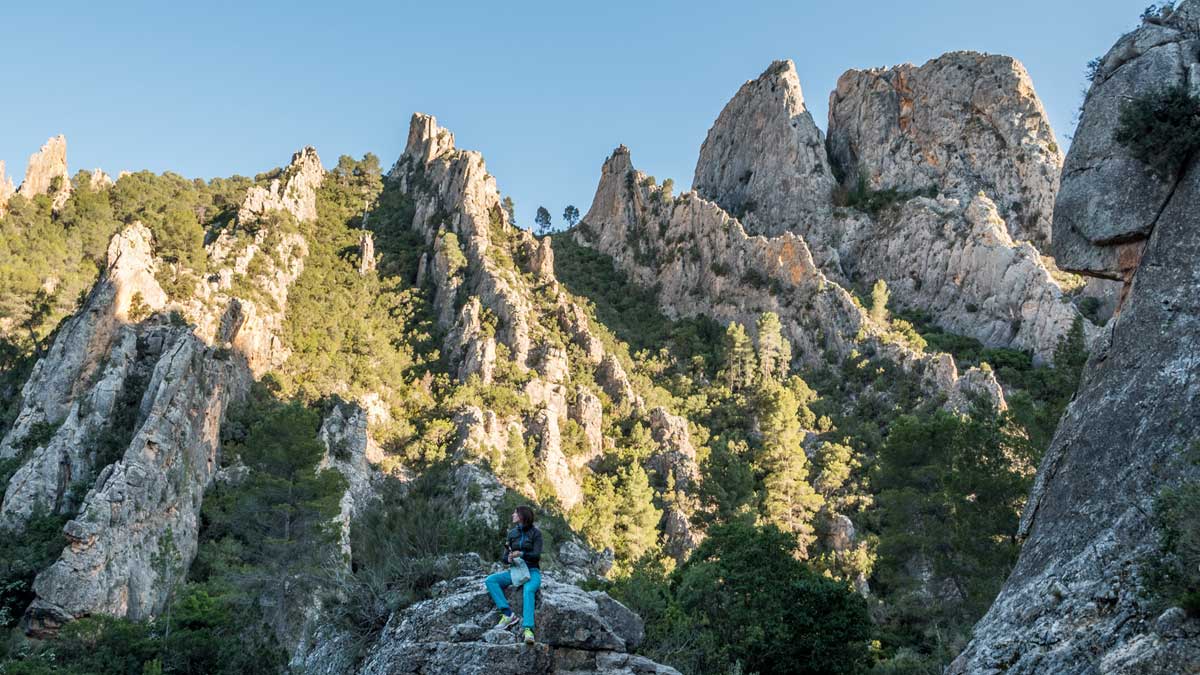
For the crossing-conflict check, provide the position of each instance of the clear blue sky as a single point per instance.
(544, 90)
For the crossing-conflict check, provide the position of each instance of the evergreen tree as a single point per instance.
(789, 503)
(637, 517)
(517, 462)
(510, 208)
(774, 350)
(739, 366)
(571, 215)
(766, 609)
(542, 219)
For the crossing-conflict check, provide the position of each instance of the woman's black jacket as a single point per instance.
(527, 540)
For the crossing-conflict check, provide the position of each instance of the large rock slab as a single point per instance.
(577, 631)
(962, 122)
(1074, 603)
(1109, 201)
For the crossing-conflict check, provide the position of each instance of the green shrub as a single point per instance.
(1162, 129)
(1173, 576)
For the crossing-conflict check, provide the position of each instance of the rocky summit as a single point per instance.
(908, 393)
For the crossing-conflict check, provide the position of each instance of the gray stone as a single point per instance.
(773, 191)
(1087, 525)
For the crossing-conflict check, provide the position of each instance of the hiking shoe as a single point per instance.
(528, 636)
(507, 621)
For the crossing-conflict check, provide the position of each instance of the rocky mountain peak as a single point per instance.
(6, 189)
(47, 172)
(426, 140)
(962, 122)
(764, 158)
(294, 191)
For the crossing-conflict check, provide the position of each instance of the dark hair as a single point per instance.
(525, 513)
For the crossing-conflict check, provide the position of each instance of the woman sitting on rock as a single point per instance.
(523, 550)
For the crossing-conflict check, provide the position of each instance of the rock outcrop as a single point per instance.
(578, 632)
(46, 173)
(770, 192)
(1109, 202)
(963, 122)
(294, 191)
(125, 410)
(966, 126)
(6, 190)
(494, 289)
(703, 262)
(954, 259)
(97, 363)
(350, 450)
(1075, 602)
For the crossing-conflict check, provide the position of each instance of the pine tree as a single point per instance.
(879, 300)
(571, 215)
(790, 503)
(637, 518)
(740, 363)
(543, 220)
(510, 208)
(774, 350)
(516, 462)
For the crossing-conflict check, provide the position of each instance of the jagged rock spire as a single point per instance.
(295, 191)
(47, 172)
(764, 158)
(962, 122)
(6, 189)
(426, 140)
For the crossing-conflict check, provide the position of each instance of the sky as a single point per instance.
(545, 90)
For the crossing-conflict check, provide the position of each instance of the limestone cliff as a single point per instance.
(46, 173)
(6, 189)
(1075, 601)
(496, 295)
(703, 262)
(964, 122)
(119, 422)
(776, 191)
(295, 190)
(965, 126)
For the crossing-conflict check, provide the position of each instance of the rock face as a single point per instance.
(703, 262)
(125, 411)
(578, 632)
(954, 258)
(963, 122)
(6, 189)
(295, 191)
(491, 283)
(1074, 602)
(350, 450)
(97, 363)
(965, 125)
(1109, 202)
(777, 191)
(46, 173)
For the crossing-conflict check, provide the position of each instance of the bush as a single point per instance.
(1162, 129)
(771, 613)
(1173, 576)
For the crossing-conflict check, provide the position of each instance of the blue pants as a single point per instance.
(501, 580)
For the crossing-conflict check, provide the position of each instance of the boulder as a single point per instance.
(577, 631)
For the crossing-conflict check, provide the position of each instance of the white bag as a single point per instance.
(519, 572)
